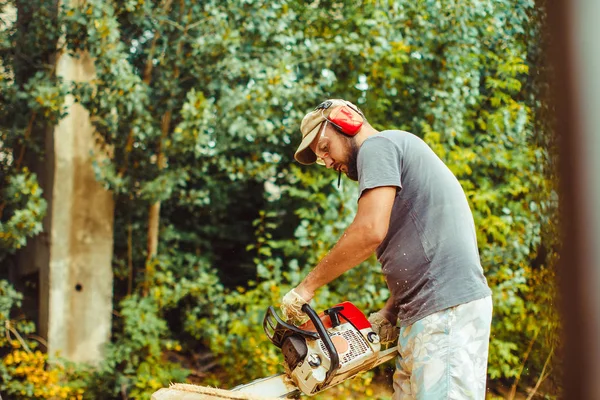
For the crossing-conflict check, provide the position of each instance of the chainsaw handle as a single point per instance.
(324, 336)
(278, 330)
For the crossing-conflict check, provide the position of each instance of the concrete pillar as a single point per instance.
(80, 280)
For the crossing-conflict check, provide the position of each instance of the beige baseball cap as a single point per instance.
(310, 127)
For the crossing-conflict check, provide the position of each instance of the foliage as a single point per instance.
(9, 299)
(135, 360)
(25, 370)
(198, 104)
(25, 210)
(28, 375)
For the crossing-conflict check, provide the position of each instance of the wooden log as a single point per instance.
(181, 391)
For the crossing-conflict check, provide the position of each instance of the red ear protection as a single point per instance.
(346, 118)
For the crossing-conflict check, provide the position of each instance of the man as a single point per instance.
(414, 214)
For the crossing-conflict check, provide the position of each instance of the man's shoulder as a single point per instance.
(381, 143)
(392, 135)
(405, 141)
(398, 134)
(391, 139)
(380, 138)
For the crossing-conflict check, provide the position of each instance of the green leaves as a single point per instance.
(23, 210)
(197, 106)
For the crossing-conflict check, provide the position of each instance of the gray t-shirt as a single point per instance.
(429, 257)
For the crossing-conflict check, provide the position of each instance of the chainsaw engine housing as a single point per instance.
(334, 346)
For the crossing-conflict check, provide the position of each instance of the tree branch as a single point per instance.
(513, 389)
(542, 376)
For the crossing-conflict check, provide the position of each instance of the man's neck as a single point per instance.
(365, 133)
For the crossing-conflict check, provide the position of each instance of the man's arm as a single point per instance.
(358, 242)
(390, 311)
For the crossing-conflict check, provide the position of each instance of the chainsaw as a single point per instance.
(331, 347)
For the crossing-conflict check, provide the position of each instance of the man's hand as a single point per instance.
(291, 305)
(387, 332)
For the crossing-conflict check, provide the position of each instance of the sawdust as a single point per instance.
(215, 392)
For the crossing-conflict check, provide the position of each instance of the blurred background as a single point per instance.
(151, 208)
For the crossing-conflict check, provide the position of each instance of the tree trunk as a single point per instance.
(154, 211)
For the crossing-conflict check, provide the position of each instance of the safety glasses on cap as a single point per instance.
(321, 158)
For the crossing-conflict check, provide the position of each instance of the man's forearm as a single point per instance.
(355, 246)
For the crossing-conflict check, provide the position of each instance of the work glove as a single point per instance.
(291, 307)
(387, 332)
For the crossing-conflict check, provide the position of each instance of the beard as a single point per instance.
(352, 161)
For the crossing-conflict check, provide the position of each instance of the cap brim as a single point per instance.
(304, 154)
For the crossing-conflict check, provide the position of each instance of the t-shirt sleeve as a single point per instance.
(379, 164)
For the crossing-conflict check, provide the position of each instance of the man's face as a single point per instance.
(336, 150)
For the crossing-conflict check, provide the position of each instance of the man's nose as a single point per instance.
(329, 162)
